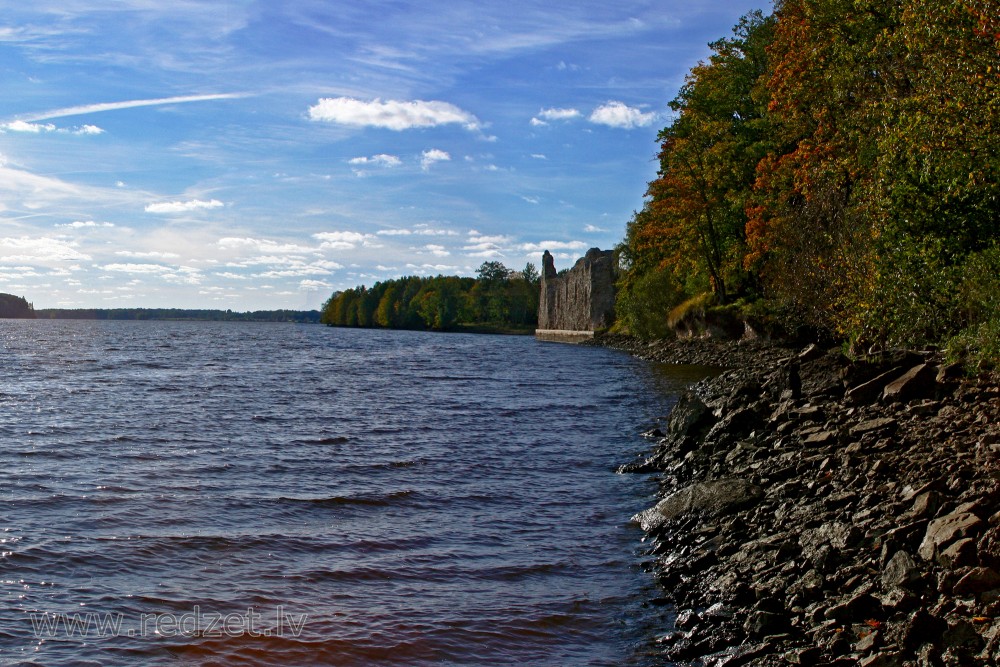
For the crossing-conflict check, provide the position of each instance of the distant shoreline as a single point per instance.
(178, 315)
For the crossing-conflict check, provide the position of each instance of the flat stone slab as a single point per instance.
(715, 498)
(947, 529)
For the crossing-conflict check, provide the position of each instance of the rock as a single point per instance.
(925, 504)
(872, 389)
(977, 580)
(858, 608)
(988, 548)
(763, 623)
(820, 439)
(719, 611)
(689, 416)
(873, 426)
(949, 373)
(804, 656)
(868, 642)
(686, 619)
(960, 554)
(887, 659)
(900, 570)
(944, 530)
(918, 382)
(961, 634)
(713, 498)
(922, 628)
(837, 534)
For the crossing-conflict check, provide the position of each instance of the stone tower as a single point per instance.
(580, 302)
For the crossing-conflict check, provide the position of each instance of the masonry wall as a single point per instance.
(581, 300)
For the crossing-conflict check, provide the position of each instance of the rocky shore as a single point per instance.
(818, 510)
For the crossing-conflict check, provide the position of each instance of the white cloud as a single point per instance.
(183, 206)
(38, 128)
(593, 229)
(153, 254)
(431, 156)
(313, 285)
(559, 114)
(342, 240)
(390, 114)
(380, 160)
(436, 250)
(553, 114)
(80, 224)
(539, 156)
(143, 269)
(299, 268)
(22, 126)
(418, 230)
(476, 237)
(39, 250)
(531, 200)
(618, 114)
(88, 129)
(262, 245)
(553, 245)
(420, 269)
(487, 254)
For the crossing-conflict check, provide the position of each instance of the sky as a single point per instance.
(257, 155)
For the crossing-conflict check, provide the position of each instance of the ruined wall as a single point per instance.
(581, 300)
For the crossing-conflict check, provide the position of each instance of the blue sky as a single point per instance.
(259, 155)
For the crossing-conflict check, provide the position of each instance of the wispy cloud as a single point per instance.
(380, 160)
(39, 128)
(314, 285)
(553, 245)
(418, 230)
(554, 114)
(342, 240)
(436, 250)
(431, 156)
(391, 114)
(129, 104)
(620, 115)
(262, 245)
(80, 224)
(39, 250)
(183, 206)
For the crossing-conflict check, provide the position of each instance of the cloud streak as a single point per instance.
(129, 104)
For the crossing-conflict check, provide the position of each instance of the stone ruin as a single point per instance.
(575, 305)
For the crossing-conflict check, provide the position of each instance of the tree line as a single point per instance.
(497, 296)
(179, 314)
(833, 165)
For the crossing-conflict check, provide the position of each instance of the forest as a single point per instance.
(178, 314)
(497, 299)
(832, 168)
(16, 307)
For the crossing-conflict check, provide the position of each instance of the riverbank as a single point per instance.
(822, 511)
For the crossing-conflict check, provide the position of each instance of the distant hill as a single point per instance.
(16, 307)
(177, 314)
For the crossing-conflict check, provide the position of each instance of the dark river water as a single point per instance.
(268, 494)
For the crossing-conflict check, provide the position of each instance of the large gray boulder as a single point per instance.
(714, 498)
